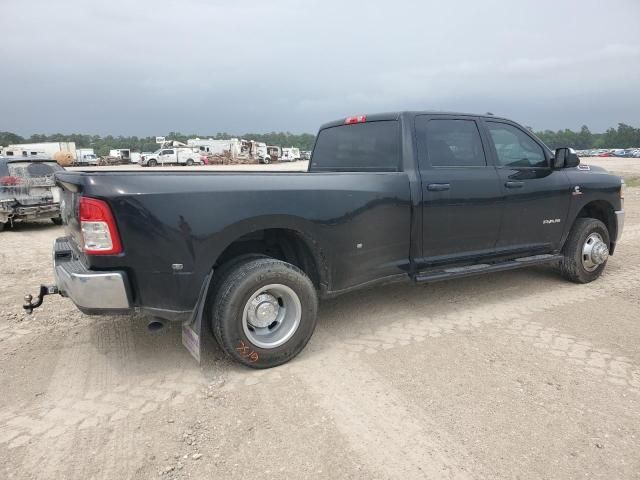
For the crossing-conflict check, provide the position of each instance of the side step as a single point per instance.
(470, 270)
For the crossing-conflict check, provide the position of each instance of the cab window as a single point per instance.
(363, 147)
(515, 148)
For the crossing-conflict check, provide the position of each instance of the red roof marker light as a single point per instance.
(355, 119)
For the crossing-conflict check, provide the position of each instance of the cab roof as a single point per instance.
(407, 113)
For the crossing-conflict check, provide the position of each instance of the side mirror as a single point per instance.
(565, 158)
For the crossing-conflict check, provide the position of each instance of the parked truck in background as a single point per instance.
(411, 196)
(86, 156)
(172, 156)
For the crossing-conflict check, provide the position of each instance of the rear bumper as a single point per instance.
(619, 224)
(29, 212)
(93, 292)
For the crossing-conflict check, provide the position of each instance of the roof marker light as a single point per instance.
(355, 119)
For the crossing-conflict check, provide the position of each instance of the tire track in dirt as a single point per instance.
(93, 397)
(508, 314)
(407, 443)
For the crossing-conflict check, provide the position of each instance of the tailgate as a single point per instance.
(70, 189)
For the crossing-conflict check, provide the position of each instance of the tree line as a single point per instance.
(624, 136)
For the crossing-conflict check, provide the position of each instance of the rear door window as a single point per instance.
(450, 142)
(361, 147)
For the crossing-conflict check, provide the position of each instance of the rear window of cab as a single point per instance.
(360, 147)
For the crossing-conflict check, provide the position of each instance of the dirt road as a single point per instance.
(514, 375)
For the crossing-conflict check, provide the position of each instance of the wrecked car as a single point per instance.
(28, 191)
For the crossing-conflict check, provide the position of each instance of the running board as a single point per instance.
(470, 270)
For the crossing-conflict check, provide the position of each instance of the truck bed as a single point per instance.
(189, 217)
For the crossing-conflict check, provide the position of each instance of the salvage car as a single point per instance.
(28, 191)
(412, 196)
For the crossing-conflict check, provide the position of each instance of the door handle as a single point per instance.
(438, 187)
(514, 184)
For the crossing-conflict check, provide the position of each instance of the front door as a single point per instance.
(461, 195)
(537, 197)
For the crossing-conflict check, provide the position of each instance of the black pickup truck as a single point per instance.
(419, 196)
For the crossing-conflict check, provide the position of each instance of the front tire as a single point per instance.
(152, 163)
(264, 312)
(586, 251)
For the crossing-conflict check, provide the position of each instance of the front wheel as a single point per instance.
(264, 312)
(586, 251)
(152, 163)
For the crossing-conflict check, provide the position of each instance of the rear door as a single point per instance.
(461, 195)
(537, 197)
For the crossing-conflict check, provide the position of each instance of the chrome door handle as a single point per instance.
(514, 184)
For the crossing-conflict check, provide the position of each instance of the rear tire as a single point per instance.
(264, 312)
(57, 220)
(578, 264)
(189, 163)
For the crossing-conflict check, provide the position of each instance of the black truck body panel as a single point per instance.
(190, 218)
(361, 227)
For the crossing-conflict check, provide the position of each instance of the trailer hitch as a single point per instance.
(29, 304)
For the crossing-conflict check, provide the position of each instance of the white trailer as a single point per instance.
(290, 154)
(233, 146)
(47, 149)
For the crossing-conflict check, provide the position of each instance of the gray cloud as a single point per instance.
(150, 67)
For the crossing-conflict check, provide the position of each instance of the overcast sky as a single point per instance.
(153, 66)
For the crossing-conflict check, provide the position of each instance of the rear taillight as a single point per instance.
(355, 119)
(99, 232)
(10, 180)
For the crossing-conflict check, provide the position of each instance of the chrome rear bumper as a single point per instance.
(91, 291)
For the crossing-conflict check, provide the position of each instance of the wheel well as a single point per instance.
(602, 211)
(284, 244)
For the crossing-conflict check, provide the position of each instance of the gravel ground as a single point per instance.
(513, 375)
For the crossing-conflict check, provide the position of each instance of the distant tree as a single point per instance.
(7, 138)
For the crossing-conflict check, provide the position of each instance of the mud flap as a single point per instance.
(192, 328)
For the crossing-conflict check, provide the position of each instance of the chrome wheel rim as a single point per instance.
(271, 316)
(594, 252)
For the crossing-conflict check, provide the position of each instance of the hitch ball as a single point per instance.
(29, 304)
